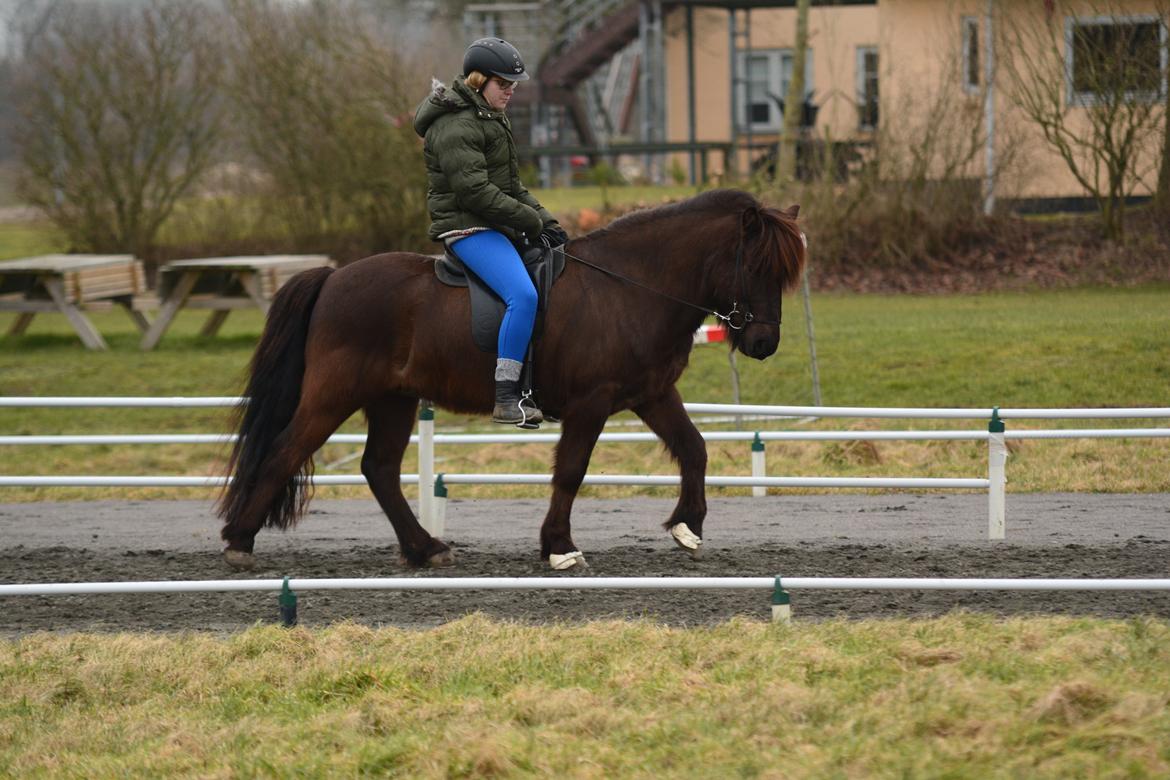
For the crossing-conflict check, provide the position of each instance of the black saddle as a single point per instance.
(544, 266)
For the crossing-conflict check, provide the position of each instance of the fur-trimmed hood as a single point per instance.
(443, 99)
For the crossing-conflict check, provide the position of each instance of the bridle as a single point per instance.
(730, 320)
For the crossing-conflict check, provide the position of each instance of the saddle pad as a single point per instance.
(487, 309)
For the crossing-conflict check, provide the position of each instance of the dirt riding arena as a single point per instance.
(884, 535)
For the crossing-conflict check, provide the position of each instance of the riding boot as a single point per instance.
(511, 407)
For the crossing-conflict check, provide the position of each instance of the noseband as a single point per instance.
(734, 319)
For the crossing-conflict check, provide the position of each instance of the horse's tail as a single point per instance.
(274, 390)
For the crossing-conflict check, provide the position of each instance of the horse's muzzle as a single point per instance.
(760, 345)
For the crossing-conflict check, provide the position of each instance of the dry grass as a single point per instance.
(961, 696)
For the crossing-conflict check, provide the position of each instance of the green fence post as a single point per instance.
(288, 605)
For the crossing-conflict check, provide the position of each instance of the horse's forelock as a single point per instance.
(779, 247)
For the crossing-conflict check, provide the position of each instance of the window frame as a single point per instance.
(862, 52)
(775, 59)
(1075, 98)
(967, 24)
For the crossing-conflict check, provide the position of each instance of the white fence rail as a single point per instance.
(781, 600)
(432, 490)
(581, 583)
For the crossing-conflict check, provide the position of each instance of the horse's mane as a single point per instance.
(778, 242)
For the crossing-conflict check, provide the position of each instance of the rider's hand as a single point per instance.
(553, 235)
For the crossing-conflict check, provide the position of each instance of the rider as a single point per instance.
(477, 204)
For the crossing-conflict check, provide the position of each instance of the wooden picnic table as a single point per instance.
(68, 283)
(221, 284)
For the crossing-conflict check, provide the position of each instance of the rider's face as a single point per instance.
(497, 92)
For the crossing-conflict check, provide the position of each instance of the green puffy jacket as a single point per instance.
(473, 178)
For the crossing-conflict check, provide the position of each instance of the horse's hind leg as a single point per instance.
(309, 428)
(391, 419)
(667, 418)
(582, 425)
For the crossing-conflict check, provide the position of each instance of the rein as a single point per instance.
(728, 319)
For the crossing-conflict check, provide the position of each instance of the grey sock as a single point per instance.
(508, 370)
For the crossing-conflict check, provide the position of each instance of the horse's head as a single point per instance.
(769, 259)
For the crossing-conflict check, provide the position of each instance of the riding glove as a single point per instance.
(553, 235)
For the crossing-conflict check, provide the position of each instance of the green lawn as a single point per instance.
(28, 239)
(195, 221)
(561, 200)
(1076, 348)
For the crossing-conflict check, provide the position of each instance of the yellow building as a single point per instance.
(918, 70)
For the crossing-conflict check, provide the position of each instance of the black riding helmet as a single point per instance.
(494, 57)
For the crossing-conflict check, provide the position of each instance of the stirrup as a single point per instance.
(531, 420)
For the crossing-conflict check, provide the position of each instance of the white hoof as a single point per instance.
(567, 561)
(687, 540)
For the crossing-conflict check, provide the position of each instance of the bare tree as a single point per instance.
(914, 195)
(1162, 194)
(119, 116)
(1092, 85)
(794, 100)
(324, 104)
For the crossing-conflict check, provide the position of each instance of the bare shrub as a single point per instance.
(119, 116)
(323, 103)
(913, 196)
(1093, 84)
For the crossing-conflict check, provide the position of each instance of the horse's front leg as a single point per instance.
(669, 420)
(581, 426)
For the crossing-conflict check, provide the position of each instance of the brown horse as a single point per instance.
(381, 333)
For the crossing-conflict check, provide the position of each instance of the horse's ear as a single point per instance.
(791, 211)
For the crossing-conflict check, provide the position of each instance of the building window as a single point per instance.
(867, 87)
(970, 54)
(1115, 57)
(761, 94)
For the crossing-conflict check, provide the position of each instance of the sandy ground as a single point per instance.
(886, 535)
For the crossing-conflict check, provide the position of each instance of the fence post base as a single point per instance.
(781, 604)
(439, 508)
(288, 605)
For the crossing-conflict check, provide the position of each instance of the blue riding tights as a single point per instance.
(493, 258)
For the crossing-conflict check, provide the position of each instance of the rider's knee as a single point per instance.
(524, 299)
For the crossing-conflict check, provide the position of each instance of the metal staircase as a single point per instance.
(585, 58)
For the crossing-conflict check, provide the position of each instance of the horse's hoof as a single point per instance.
(567, 561)
(239, 560)
(687, 540)
(442, 560)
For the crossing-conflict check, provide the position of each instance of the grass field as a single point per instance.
(28, 239)
(197, 220)
(961, 696)
(1089, 347)
(561, 200)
